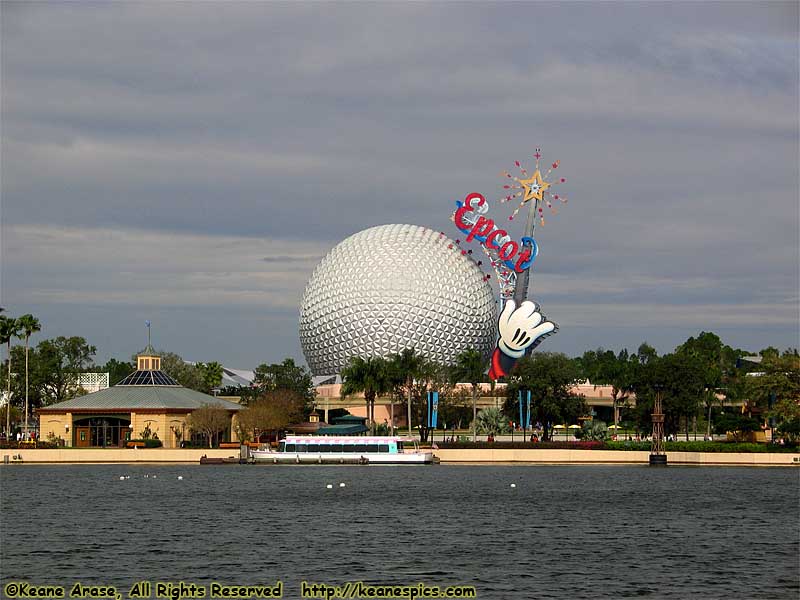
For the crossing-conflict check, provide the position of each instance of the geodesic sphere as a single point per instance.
(393, 287)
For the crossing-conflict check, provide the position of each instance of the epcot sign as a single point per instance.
(485, 231)
(521, 326)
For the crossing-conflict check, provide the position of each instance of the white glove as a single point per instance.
(521, 327)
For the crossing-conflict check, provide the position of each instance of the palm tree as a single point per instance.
(470, 367)
(28, 325)
(212, 373)
(369, 375)
(407, 367)
(9, 329)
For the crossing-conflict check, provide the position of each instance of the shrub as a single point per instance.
(523, 445)
(22, 446)
(149, 443)
(608, 445)
(595, 431)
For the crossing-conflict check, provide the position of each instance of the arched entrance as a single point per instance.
(101, 431)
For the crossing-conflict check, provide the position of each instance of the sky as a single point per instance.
(190, 163)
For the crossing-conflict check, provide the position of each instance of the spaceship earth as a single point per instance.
(393, 287)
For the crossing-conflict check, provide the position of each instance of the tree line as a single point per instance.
(696, 381)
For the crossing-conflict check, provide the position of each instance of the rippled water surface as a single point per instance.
(562, 532)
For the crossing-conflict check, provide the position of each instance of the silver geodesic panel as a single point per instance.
(393, 287)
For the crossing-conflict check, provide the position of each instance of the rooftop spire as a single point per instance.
(148, 359)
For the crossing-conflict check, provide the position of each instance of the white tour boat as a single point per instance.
(384, 450)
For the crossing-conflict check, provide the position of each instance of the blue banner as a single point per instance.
(433, 410)
(528, 421)
(524, 414)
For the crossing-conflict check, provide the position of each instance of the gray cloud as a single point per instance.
(235, 140)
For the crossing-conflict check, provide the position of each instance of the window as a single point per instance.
(312, 448)
(324, 447)
(383, 448)
(282, 447)
(337, 448)
(360, 448)
(290, 448)
(372, 447)
(399, 446)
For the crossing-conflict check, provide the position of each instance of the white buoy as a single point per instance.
(513, 485)
(127, 476)
(341, 484)
(121, 478)
(329, 486)
(146, 476)
(180, 477)
(154, 476)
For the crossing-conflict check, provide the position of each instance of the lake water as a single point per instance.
(562, 532)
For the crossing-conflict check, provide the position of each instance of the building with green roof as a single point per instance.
(147, 403)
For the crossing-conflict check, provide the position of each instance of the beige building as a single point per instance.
(147, 403)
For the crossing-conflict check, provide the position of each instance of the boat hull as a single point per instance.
(335, 458)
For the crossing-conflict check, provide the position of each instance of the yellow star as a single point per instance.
(534, 187)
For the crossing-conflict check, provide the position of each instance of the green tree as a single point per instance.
(29, 325)
(59, 361)
(9, 329)
(603, 367)
(779, 379)
(680, 379)
(211, 374)
(285, 376)
(707, 350)
(646, 353)
(770, 352)
(549, 376)
(372, 375)
(786, 414)
(470, 368)
(188, 375)
(405, 367)
(117, 370)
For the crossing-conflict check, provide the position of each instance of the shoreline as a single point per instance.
(479, 456)
(616, 457)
